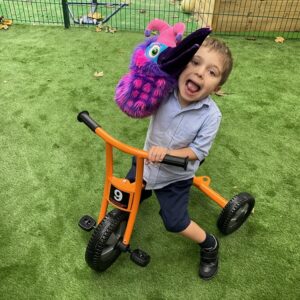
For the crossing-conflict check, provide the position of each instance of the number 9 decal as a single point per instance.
(118, 196)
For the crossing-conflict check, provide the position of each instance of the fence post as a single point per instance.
(204, 10)
(66, 13)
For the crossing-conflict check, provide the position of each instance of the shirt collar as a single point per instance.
(195, 105)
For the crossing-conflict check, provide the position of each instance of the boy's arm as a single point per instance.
(184, 152)
(157, 153)
(198, 149)
(206, 136)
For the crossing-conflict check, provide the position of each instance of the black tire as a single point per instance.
(235, 213)
(102, 250)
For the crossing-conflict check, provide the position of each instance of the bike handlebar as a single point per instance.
(84, 117)
(95, 127)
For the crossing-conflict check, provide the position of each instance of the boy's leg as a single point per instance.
(173, 201)
(209, 249)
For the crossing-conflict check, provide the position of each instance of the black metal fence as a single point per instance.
(232, 17)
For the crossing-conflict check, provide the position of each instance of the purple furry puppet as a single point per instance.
(155, 66)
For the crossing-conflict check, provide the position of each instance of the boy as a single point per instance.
(186, 125)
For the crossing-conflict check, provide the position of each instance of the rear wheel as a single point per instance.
(102, 250)
(235, 213)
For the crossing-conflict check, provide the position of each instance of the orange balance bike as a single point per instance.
(113, 229)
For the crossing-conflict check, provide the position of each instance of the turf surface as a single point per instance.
(52, 172)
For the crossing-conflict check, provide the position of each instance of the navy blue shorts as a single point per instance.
(173, 200)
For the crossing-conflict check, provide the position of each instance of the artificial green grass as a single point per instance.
(52, 171)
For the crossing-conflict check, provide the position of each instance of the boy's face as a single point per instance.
(201, 77)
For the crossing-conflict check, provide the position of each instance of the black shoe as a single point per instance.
(209, 262)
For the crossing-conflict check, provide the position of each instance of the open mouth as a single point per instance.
(192, 86)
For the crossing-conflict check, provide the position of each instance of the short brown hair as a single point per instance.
(222, 48)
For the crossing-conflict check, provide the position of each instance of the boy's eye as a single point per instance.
(195, 62)
(213, 72)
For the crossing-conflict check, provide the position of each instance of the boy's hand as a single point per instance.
(156, 154)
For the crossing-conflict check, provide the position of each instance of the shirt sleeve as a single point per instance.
(206, 135)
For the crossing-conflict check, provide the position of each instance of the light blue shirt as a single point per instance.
(174, 127)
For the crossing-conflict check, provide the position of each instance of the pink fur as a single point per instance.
(161, 83)
(141, 59)
(147, 88)
(157, 93)
(168, 35)
(135, 93)
(137, 83)
(144, 96)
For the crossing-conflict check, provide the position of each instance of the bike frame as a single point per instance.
(121, 184)
(124, 195)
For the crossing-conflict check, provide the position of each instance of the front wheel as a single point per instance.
(235, 213)
(102, 250)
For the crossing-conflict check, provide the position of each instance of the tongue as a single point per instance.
(192, 86)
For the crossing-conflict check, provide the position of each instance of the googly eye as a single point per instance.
(154, 51)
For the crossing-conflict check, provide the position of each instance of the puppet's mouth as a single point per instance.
(192, 86)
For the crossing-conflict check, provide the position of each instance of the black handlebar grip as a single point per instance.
(176, 161)
(87, 120)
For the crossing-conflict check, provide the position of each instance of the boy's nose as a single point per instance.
(200, 72)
